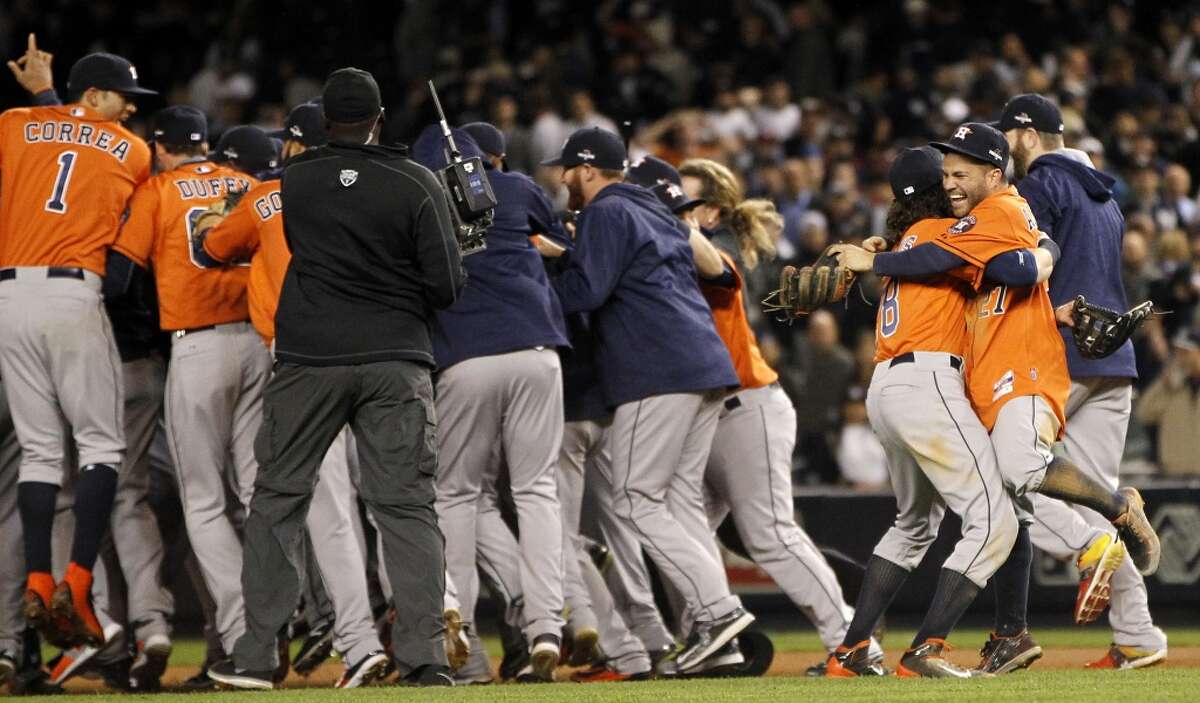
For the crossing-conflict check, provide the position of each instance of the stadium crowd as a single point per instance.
(807, 101)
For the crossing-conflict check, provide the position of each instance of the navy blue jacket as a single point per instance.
(508, 304)
(1074, 204)
(632, 265)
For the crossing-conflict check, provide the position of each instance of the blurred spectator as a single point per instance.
(1172, 403)
(582, 113)
(778, 118)
(818, 380)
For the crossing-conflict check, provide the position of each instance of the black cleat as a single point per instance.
(1003, 655)
(709, 636)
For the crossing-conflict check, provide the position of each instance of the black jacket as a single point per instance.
(373, 253)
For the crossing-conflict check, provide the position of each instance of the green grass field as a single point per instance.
(1153, 684)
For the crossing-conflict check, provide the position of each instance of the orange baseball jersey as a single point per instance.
(729, 316)
(158, 234)
(922, 314)
(66, 175)
(1013, 345)
(254, 230)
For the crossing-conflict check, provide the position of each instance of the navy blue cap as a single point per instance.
(248, 148)
(650, 171)
(979, 141)
(914, 171)
(596, 147)
(674, 197)
(487, 136)
(179, 125)
(1030, 110)
(305, 124)
(350, 95)
(106, 72)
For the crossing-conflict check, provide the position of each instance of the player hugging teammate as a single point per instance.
(553, 398)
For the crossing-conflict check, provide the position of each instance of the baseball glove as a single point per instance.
(803, 290)
(219, 210)
(1099, 331)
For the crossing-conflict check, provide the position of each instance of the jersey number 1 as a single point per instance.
(58, 198)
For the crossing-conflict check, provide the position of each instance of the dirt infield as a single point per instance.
(785, 664)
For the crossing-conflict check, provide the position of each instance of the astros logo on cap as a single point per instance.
(962, 132)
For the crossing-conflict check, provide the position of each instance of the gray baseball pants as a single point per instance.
(213, 410)
(389, 406)
(939, 456)
(1097, 419)
(515, 401)
(12, 566)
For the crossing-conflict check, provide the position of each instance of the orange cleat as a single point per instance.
(1125, 658)
(71, 604)
(848, 662)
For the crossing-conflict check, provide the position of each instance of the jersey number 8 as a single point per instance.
(58, 197)
(889, 311)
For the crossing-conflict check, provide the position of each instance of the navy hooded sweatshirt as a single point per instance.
(508, 304)
(632, 267)
(1074, 204)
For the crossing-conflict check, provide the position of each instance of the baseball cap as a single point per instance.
(979, 141)
(487, 136)
(247, 147)
(1030, 110)
(350, 95)
(674, 197)
(649, 171)
(106, 72)
(179, 125)
(305, 124)
(593, 146)
(914, 171)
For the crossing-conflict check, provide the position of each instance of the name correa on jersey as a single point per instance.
(74, 133)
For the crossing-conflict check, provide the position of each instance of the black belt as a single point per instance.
(51, 272)
(733, 402)
(911, 357)
(183, 333)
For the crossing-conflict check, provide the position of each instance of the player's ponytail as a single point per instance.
(755, 223)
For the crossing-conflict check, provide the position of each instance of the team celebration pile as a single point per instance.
(368, 419)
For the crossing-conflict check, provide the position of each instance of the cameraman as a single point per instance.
(374, 253)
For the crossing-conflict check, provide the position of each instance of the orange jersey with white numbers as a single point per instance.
(158, 235)
(66, 175)
(254, 231)
(729, 316)
(924, 314)
(1013, 345)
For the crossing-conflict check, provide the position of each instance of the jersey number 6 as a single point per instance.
(58, 198)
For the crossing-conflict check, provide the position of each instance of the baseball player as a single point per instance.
(253, 230)
(146, 602)
(632, 269)
(66, 173)
(218, 364)
(500, 382)
(1073, 204)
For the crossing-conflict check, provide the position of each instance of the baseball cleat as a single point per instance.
(583, 647)
(603, 674)
(599, 554)
(848, 662)
(726, 661)
(430, 675)
(1119, 657)
(8, 666)
(73, 660)
(200, 682)
(458, 647)
(37, 613)
(1003, 655)
(368, 669)
(150, 663)
(926, 661)
(1135, 531)
(73, 611)
(709, 636)
(225, 672)
(543, 657)
(1096, 566)
(317, 647)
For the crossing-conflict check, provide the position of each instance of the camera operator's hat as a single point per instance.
(305, 124)
(978, 141)
(106, 72)
(596, 147)
(350, 95)
(247, 147)
(488, 137)
(1030, 110)
(179, 125)
(914, 171)
(649, 171)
